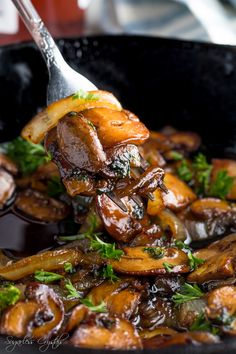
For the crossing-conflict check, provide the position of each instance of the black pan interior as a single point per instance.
(191, 86)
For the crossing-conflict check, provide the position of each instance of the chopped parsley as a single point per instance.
(46, 277)
(26, 155)
(203, 324)
(177, 156)
(108, 273)
(168, 267)
(68, 267)
(84, 95)
(72, 292)
(194, 262)
(221, 186)
(155, 252)
(187, 293)
(181, 245)
(184, 171)
(55, 187)
(202, 173)
(9, 295)
(95, 308)
(107, 250)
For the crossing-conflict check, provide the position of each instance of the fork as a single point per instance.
(63, 80)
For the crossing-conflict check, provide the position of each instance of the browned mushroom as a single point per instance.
(40, 315)
(221, 303)
(7, 187)
(8, 164)
(104, 331)
(115, 127)
(78, 142)
(187, 140)
(41, 207)
(142, 261)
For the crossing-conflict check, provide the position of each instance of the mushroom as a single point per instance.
(7, 187)
(230, 167)
(188, 141)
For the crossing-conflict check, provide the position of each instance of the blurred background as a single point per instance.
(200, 20)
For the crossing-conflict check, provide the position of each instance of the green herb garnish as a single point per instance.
(221, 186)
(68, 267)
(26, 155)
(202, 173)
(55, 187)
(108, 273)
(188, 293)
(168, 267)
(202, 324)
(184, 171)
(181, 245)
(177, 156)
(72, 292)
(9, 295)
(46, 277)
(155, 252)
(107, 250)
(83, 95)
(95, 308)
(194, 262)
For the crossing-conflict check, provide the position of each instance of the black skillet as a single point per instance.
(190, 86)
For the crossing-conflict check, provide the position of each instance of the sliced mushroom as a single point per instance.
(230, 167)
(78, 142)
(7, 187)
(120, 299)
(209, 207)
(116, 127)
(172, 225)
(41, 207)
(138, 261)
(40, 315)
(221, 303)
(8, 164)
(187, 140)
(50, 260)
(121, 225)
(102, 331)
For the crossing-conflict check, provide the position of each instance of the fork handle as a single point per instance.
(39, 32)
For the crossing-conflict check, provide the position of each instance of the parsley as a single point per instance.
(202, 173)
(202, 324)
(46, 277)
(72, 292)
(108, 273)
(155, 252)
(83, 95)
(177, 156)
(28, 156)
(168, 267)
(107, 250)
(194, 262)
(181, 245)
(188, 293)
(68, 267)
(95, 308)
(184, 171)
(55, 187)
(221, 186)
(9, 295)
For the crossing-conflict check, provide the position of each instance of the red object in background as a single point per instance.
(63, 18)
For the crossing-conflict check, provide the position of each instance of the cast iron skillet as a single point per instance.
(191, 86)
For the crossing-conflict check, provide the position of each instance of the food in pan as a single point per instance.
(141, 225)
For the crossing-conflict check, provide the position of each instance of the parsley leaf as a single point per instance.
(72, 292)
(221, 186)
(108, 273)
(68, 267)
(202, 173)
(55, 187)
(26, 155)
(181, 245)
(46, 277)
(9, 295)
(184, 171)
(95, 308)
(175, 155)
(202, 324)
(84, 95)
(188, 293)
(194, 262)
(168, 267)
(107, 250)
(155, 252)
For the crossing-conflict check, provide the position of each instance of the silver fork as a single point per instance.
(63, 80)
